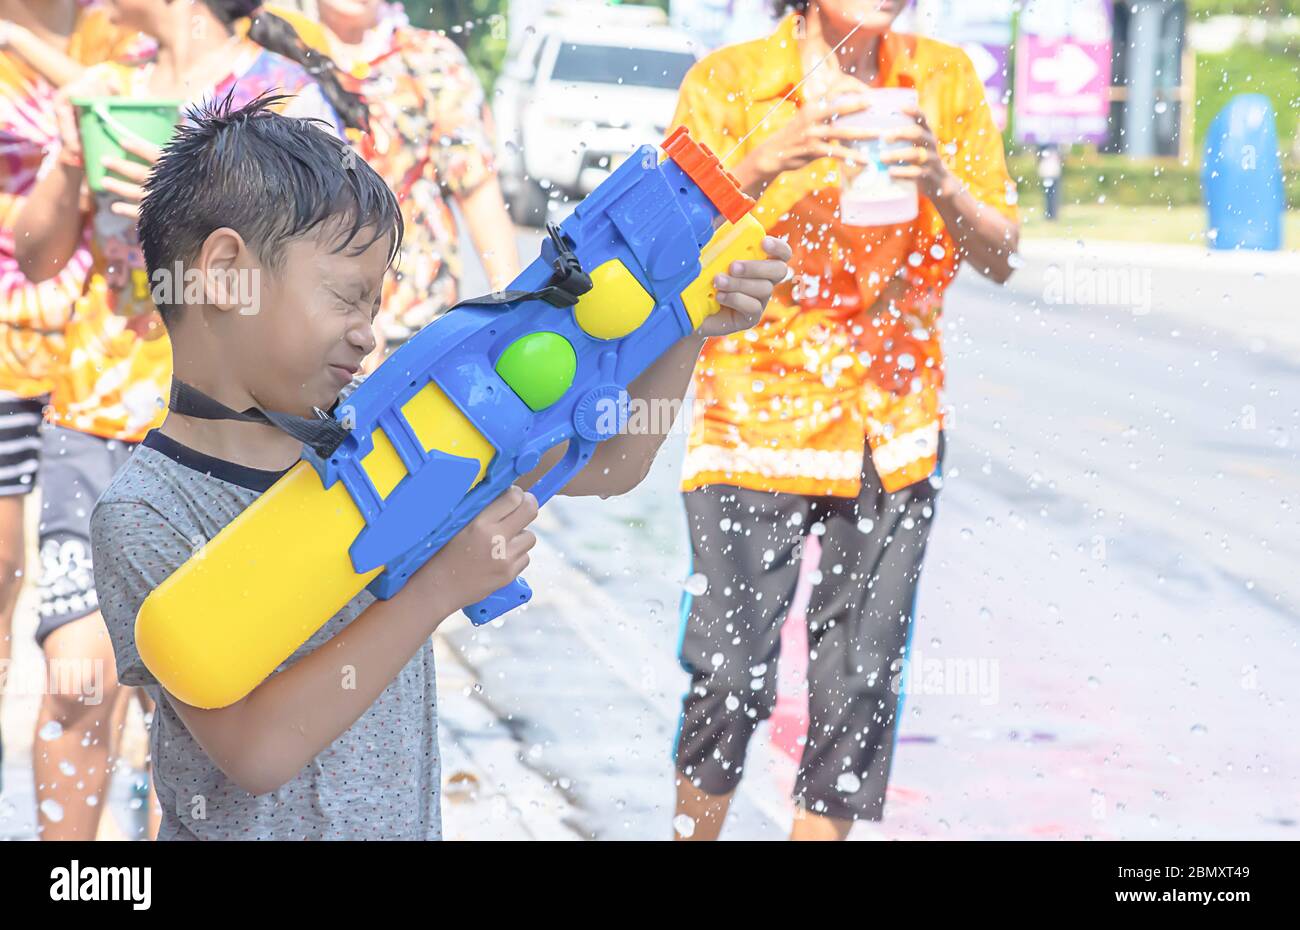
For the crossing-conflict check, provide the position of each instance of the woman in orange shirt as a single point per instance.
(825, 419)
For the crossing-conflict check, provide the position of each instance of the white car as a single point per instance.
(581, 92)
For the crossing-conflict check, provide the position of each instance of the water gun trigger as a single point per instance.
(576, 456)
(421, 499)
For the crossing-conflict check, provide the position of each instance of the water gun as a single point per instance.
(452, 418)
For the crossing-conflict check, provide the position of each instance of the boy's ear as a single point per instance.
(223, 261)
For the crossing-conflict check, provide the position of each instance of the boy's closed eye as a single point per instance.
(360, 298)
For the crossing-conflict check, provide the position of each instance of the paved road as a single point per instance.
(1107, 634)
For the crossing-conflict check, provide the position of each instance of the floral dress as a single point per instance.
(430, 139)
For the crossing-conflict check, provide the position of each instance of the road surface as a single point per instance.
(1107, 634)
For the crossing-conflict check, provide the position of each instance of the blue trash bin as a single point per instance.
(1241, 176)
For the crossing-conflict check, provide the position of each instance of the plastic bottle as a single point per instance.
(872, 197)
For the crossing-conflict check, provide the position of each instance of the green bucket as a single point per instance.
(105, 121)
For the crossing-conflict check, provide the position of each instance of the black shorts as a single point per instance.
(76, 471)
(748, 546)
(20, 443)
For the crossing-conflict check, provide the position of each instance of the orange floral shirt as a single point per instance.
(849, 349)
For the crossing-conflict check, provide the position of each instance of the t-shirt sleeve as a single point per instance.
(134, 549)
(702, 107)
(977, 156)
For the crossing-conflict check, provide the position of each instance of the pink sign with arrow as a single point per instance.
(1063, 71)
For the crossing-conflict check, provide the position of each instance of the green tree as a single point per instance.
(477, 26)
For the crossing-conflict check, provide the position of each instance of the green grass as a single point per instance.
(1173, 225)
(1248, 70)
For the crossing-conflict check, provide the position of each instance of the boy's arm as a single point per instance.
(621, 463)
(263, 741)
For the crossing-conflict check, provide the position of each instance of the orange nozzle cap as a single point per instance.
(703, 167)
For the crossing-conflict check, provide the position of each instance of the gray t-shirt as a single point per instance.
(379, 780)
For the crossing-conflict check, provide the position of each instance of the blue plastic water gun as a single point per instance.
(454, 417)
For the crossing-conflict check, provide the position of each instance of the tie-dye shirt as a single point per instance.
(32, 315)
(118, 369)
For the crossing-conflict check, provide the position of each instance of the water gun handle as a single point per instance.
(499, 602)
(518, 592)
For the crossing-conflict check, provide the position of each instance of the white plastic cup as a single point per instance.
(872, 197)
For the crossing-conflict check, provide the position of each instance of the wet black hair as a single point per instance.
(781, 7)
(269, 177)
(278, 35)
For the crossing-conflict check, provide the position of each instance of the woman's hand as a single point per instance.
(65, 115)
(131, 190)
(919, 160)
(985, 238)
(744, 293)
(811, 135)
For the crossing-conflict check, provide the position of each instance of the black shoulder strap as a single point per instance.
(323, 434)
(568, 280)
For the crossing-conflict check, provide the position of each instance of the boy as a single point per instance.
(247, 195)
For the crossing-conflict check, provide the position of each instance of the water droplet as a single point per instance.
(51, 730)
(848, 783)
(52, 810)
(732, 702)
(866, 525)
(1198, 729)
(696, 584)
(684, 825)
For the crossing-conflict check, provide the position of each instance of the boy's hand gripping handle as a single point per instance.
(518, 592)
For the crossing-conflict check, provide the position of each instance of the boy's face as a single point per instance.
(316, 324)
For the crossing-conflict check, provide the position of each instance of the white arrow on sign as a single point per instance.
(1071, 70)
